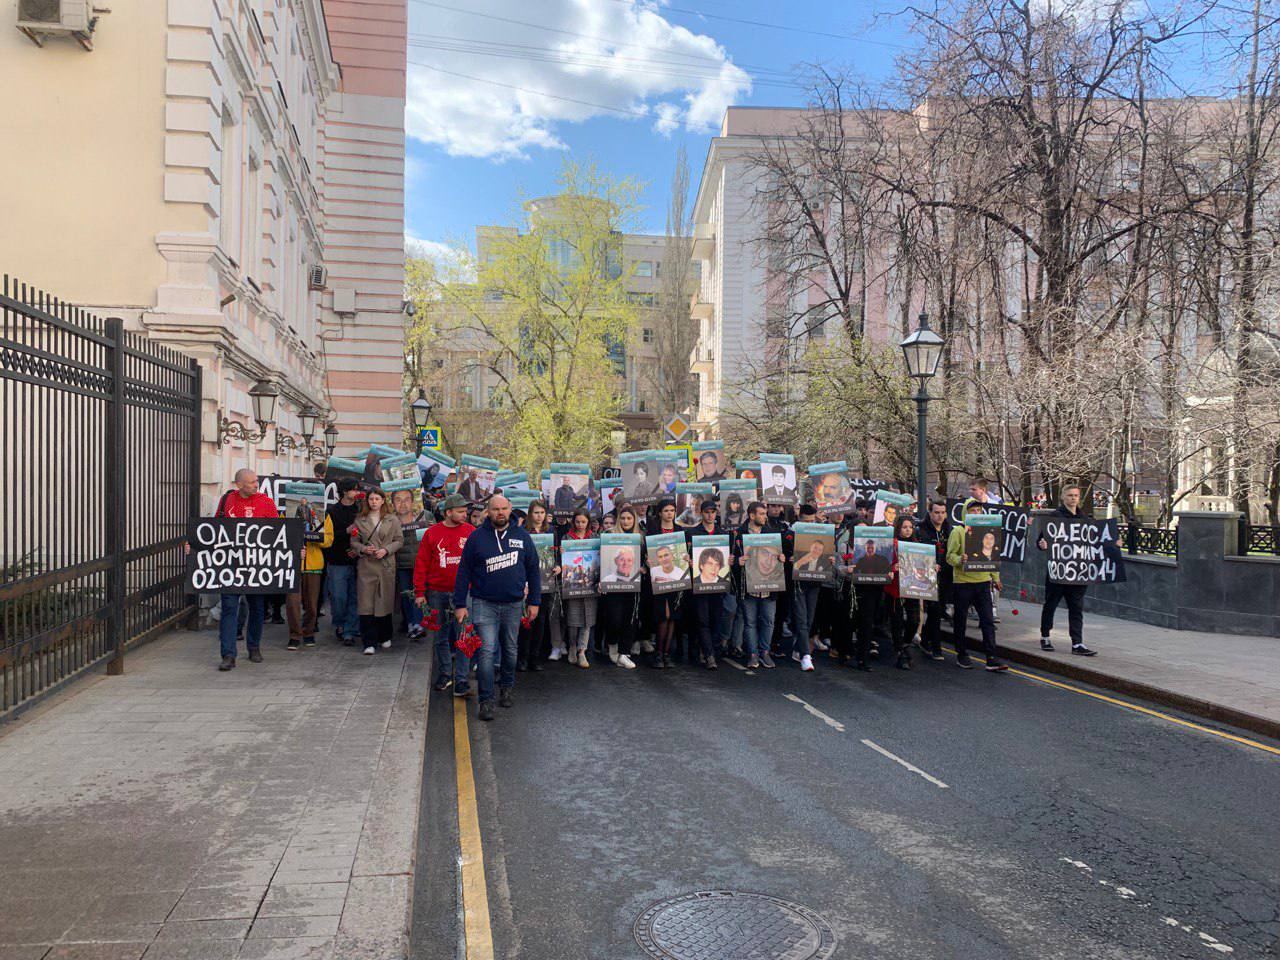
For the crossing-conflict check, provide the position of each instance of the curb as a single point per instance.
(1144, 691)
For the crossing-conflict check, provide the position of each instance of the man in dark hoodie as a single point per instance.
(497, 577)
(1054, 593)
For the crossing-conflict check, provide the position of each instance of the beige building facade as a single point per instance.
(227, 177)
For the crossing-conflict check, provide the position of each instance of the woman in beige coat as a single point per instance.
(377, 537)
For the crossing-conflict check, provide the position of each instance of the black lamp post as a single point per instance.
(421, 409)
(923, 352)
(331, 438)
(264, 395)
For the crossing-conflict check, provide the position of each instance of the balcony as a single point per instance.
(704, 241)
(700, 309)
(702, 360)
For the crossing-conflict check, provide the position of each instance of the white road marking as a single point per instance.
(831, 722)
(910, 766)
(1213, 943)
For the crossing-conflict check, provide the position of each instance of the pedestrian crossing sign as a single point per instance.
(429, 438)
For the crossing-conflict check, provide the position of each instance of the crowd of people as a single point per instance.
(472, 570)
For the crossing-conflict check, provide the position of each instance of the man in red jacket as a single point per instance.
(434, 571)
(243, 501)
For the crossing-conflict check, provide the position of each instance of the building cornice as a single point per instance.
(316, 34)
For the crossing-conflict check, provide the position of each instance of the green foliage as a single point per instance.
(31, 614)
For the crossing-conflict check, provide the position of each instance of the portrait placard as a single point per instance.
(765, 568)
(689, 500)
(579, 567)
(982, 533)
(814, 555)
(917, 570)
(832, 492)
(778, 478)
(890, 506)
(711, 563)
(709, 461)
(872, 554)
(668, 562)
(620, 562)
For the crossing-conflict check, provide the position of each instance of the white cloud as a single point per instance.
(482, 83)
(452, 261)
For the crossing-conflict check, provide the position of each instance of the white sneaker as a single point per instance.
(806, 662)
(368, 651)
(556, 653)
(626, 662)
(646, 646)
(386, 644)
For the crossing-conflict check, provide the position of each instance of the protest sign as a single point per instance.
(747, 469)
(680, 455)
(640, 471)
(620, 562)
(735, 497)
(340, 468)
(982, 532)
(405, 499)
(579, 568)
(689, 500)
(831, 490)
(305, 502)
(569, 486)
(668, 559)
(778, 478)
(244, 555)
(544, 484)
(765, 569)
(872, 554)
(710, 465)
(1083, 550)
(511, 482)
(1015, 521)
(711, 560)
(273, 485)
(865, 489)
(403, 466)
(609, 494)
(477, 478)
(545, 543)
(813, 557)
(917, 570)
(890, 506)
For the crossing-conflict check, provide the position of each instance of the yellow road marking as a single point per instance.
(1147, 710)
(475, 894)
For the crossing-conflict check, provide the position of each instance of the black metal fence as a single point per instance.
(1135, 538)
(1259, 540)
(99, 470)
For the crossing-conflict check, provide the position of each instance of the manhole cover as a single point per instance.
(727, 925)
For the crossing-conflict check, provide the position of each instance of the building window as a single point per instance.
(642, 406)
(617, 351)
(641, 299)
(644, 268)
(647, 335)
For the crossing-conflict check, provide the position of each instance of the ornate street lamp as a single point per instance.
(421, 409)
(922, 350)
(264, 394)
(331, 438)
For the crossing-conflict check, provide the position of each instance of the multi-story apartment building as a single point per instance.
(468, 396)
(227, 177)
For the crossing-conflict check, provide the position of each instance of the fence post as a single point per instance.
(1133, 537)
(197, 426)
(115, 498)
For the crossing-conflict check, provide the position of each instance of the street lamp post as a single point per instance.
(922, 350)
(421, 409)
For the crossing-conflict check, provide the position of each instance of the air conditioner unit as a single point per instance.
(317, 277)
(55, 16)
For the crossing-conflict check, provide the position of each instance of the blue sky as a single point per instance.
(477, 144)
(501, 91)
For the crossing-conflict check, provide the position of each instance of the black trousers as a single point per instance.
(619, 613)
(904, 617)
(531, 643)
(1074, 595)
(707, 607)
(374, 630)
(978, 596)
(842, 622)
(871, 603)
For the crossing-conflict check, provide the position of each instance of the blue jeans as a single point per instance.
(499, 627)
(404, 590)
(757, 614)
(449, 660)
(343, 607)
(804, 606)
(731, 622)
(229, 623)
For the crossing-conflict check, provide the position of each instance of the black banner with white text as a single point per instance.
(1083, 551)
(244, 555)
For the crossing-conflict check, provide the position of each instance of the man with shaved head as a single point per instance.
(243, 501)
(497, 577)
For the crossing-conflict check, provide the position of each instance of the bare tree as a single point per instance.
(675, 333)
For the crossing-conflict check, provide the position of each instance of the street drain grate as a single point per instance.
(729, 925)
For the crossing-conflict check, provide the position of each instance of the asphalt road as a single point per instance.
(1067, 827)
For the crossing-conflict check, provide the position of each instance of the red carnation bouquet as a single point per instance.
(469, 642)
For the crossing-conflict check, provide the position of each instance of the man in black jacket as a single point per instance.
(1072, 593)
(935, 530)
(708, 607)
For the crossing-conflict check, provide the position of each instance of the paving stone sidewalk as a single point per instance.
(179, 813)
(1220, 676)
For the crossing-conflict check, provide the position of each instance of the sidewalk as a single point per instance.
(1223, 677)
(179, 813)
